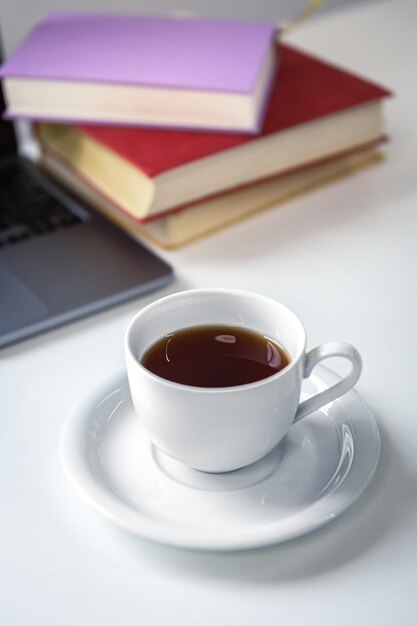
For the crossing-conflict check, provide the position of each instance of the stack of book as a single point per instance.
(174, 128)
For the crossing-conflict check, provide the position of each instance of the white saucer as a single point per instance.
(320, 468)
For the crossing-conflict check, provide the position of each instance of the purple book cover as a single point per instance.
(189, 53)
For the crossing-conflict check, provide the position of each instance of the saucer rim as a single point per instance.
(74, 462)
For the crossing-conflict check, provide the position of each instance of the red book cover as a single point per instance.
(305, 89)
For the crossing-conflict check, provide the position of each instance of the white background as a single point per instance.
(344, 258)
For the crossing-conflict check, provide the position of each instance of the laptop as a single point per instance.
(59, 260)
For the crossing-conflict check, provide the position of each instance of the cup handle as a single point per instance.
(326, 350)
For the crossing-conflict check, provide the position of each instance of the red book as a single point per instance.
(316, 111)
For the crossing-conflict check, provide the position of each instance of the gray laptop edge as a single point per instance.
(61, 266)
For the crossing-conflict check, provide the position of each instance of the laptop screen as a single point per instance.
(7, 136)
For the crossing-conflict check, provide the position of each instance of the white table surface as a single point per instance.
(343, 257)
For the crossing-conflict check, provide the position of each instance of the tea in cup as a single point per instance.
(215, 375)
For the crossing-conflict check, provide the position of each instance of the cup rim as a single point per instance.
(212, 390)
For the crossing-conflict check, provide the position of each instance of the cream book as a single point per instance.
(183, 226)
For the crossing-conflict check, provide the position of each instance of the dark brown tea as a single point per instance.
(215, 356)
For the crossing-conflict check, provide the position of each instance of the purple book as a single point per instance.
(212, 73)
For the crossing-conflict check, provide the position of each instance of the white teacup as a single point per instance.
(225, 428)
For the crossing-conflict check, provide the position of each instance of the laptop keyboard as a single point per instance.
(26, 209)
